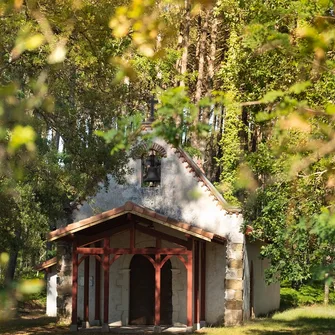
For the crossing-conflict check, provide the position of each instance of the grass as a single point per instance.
(313, 320)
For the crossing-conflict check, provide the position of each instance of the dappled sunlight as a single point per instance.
(312, 320)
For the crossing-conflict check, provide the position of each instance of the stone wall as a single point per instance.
(64, 281)
(234, 285)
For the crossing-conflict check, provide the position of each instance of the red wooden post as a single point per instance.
(97, 287)
(189, 269)
(196, 283)
(74, 283)
(203, 282)
(86, 286)
(157, 289)
(106, 278)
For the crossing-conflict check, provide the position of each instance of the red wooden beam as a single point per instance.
(84, 240)
(203, 282)
(129, 251)
(114, 259)
(189, 268)
(161, 235)
(82, 258)
(90, 251)
(196, 283)
(163, 261)
(106, 278)
(86, 287)
(148, 251)
(157, 290)
(97, 286)
(74, 283)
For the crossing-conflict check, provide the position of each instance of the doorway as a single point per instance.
(142, 292)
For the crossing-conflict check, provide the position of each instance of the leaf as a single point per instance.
(22, 135)
(272, 96)
(30, 286)
(4, 258)
(33, 42)
(299, 87)
(58, 54)
(330, 109)
(295, 121)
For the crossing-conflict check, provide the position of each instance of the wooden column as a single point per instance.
(74, 284)
(189, 269)
(86, 287)
(97, 286)
(203, 282)
(106, 278)
(196, 284)
(157, 289)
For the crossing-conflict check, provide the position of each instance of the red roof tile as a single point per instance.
(46, 264)
(129, 207)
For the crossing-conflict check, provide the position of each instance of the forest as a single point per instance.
(245, 87)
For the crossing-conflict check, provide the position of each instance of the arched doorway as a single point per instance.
(142, 292)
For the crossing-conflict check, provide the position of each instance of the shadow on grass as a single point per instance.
(31, 325)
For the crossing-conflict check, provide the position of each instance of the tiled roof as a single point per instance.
(194, 168)
(132, 208)
(46, 264)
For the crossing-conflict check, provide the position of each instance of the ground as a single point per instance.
(312, 320)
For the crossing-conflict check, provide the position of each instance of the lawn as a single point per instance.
(312, 320)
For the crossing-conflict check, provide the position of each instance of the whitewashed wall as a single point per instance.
(179, 196)
(266, 297)
(51, 308)
(215, 277)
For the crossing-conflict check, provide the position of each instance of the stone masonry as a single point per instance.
(234, 285)
(64, 281)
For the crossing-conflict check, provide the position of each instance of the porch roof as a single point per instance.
(140, 211)
(47, 264)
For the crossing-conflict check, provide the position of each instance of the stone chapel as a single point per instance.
(162, 249)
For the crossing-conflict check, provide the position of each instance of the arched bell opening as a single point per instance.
(151, 169)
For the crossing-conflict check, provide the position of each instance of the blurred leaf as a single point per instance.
(272, 96)
(30, 286)
(22, 136)
(330, 109)
(58, 54)
(4, 258)
(299, 87)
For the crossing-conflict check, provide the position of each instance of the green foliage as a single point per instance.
(175, 117)
(304, 295)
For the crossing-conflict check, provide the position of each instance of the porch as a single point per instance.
(96, 246)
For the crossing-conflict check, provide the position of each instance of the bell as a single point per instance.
(152, 175)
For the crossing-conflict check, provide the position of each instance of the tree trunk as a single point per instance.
(184, 40)
(202, 55)
(326, 298)
(10, 271)
(212, 51)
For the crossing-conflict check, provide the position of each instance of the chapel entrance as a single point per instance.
(142, 292)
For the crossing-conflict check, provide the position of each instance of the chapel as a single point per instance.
(163, 248)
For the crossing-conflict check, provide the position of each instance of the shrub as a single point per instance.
(305, 295)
